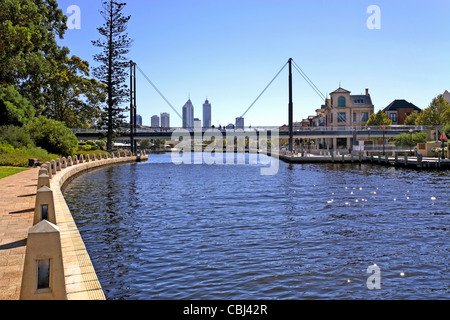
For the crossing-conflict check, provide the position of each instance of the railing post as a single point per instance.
(43, 271)
(43, 180)
(44, 208)
(53, 167)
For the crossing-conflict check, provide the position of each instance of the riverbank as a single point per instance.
(17, 218)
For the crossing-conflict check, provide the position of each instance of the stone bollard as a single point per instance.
(69, 161)
(53, 166)
(87, 158)
(81, 158)
(43, 170)
(49, 169)
(94, 157)
(44, 208)
(58, 164)
(100, 156)
(43, 180)
(63, 163)
(43, 270)
(75, 160)
(112, 155)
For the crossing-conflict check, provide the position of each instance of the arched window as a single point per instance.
(341, 101)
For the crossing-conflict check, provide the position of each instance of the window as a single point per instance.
(393, 117)
(341, 101)
(342, 117)
(43, 274)
(364, 116)
(354, 117)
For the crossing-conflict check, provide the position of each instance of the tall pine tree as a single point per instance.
(112, 70)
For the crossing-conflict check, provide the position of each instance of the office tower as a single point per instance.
(155, 121)
(165, 120)
(188, 115)
(207, 114)
(138, 120)
(240, 123)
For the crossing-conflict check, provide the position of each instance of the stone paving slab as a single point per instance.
(17, 200)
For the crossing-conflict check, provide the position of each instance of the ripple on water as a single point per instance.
(159, 231)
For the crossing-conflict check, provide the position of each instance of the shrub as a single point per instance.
(53, 136)
(101, 144)
(18, 137)
(14, 109)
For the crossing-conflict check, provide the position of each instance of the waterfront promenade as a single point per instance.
(18, 197)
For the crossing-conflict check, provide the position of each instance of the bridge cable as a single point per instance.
(248, 109)
(159, 92)
(319, 93)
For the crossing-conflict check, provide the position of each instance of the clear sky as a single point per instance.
(229, 50)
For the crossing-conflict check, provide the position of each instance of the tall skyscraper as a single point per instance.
(139, 120)
(207, 114)
(155, 121)
(165, 120)
(188, 115)
(240, 123)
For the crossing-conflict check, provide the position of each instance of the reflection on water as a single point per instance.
(156, 230)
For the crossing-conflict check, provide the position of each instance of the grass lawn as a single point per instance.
(8, 171)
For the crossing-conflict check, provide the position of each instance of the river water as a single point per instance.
(156, 230)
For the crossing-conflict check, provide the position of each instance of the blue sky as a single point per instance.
(229, 51)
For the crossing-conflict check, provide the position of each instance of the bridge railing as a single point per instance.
(368, 129)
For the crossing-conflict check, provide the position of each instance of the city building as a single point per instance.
(197, 123)
(165, 120)
(155, 121)
(139, 120)
(207, 114)
(341, 109)
(188, 115)
(240, 123)
(399, 110)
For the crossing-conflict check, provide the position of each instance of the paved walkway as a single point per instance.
(17, 201)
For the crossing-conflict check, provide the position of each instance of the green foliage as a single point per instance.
(18, 157)
(14, 109)
(410, 140)
(100, 144)
(438, 113)
(411, 119)
(18, 137)
(113, 64)
(379, 119)
(53, 136)
(160, 143)
(145, 144)
(31, 60)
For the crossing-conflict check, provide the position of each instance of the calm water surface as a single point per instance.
(156, 230)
